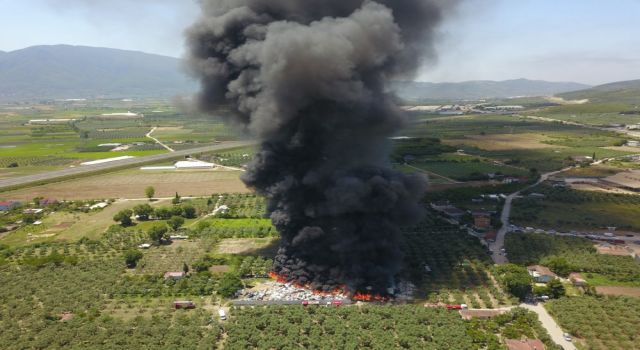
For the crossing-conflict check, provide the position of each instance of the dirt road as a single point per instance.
(550, 325)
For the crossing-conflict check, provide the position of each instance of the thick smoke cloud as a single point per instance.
(309, 79)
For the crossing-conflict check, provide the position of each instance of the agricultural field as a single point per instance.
(601, 114)
(569, 209)
(572, 254)
(458, 266)
(519, 141)
(375, 327)
(599, 322)
(31, 147)
(132, 182)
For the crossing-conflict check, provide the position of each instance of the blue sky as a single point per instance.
(589, 41)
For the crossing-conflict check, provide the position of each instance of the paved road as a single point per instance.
(632, 133)
(88, 169)
(497, 256)
(550, 325)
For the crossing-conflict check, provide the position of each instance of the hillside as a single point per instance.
(623, 91)
(481, 89)
(64, 71)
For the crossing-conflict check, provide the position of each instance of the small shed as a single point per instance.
(174, 275)
(184, 304)
(525, 344)
(6, 206)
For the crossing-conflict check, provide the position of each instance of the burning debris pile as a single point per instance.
(276, 291)
(281, 291)
(310, 80)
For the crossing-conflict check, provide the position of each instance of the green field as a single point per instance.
(27, 148)
(567, 209)
(600, 323)
(571, 254)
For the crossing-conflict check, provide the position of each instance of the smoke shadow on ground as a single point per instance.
(268, 251)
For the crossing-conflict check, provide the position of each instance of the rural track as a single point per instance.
(148, 135)
(495, 247)
(22, 181)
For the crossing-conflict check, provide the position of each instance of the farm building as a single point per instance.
(629, 180)
(107, 160)
(193, 164)
(223, 209)
(48, 201)
(453, 213)
(526, 344)
(481, 314)
(184, 304)
(481, 219)
(129, 114)
(582, 159)
(6, 206)
(541, 274)
(101, 205)
(491, 236)
(174, 275)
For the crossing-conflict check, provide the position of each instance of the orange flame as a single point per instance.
(343, 289)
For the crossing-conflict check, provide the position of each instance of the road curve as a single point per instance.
(6, 184)
(158, 141)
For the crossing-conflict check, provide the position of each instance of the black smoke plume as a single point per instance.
(309, 78)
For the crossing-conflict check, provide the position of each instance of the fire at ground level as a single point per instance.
(281, 292)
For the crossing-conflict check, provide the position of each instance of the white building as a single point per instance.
(193, 164)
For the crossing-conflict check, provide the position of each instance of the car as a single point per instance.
(567, 337)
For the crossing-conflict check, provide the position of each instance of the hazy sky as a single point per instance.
(590, 41)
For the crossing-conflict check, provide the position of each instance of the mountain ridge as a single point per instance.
(482, 89)
(627, 91)
(66, 71)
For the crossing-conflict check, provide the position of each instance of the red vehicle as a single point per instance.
(337, 302)
(186, 304)
(456, 306)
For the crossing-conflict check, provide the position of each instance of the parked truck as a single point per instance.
(184, 304)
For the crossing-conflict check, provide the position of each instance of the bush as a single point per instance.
(131, 257)
(157, 233)
(175, 222)
(124, 217)
(229, 284)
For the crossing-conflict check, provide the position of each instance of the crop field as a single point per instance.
(373, 327)
(600, 323)
(571, 254)
(568, 209)
(592, 113)
(500, 142)
(131, 184)
(160, 259)
(519, 141)
(40, 147)
(458, 264)
(467, 170)
(248, 246)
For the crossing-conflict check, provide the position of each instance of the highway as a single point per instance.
(131, 162)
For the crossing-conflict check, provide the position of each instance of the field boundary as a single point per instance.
(108, 168)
